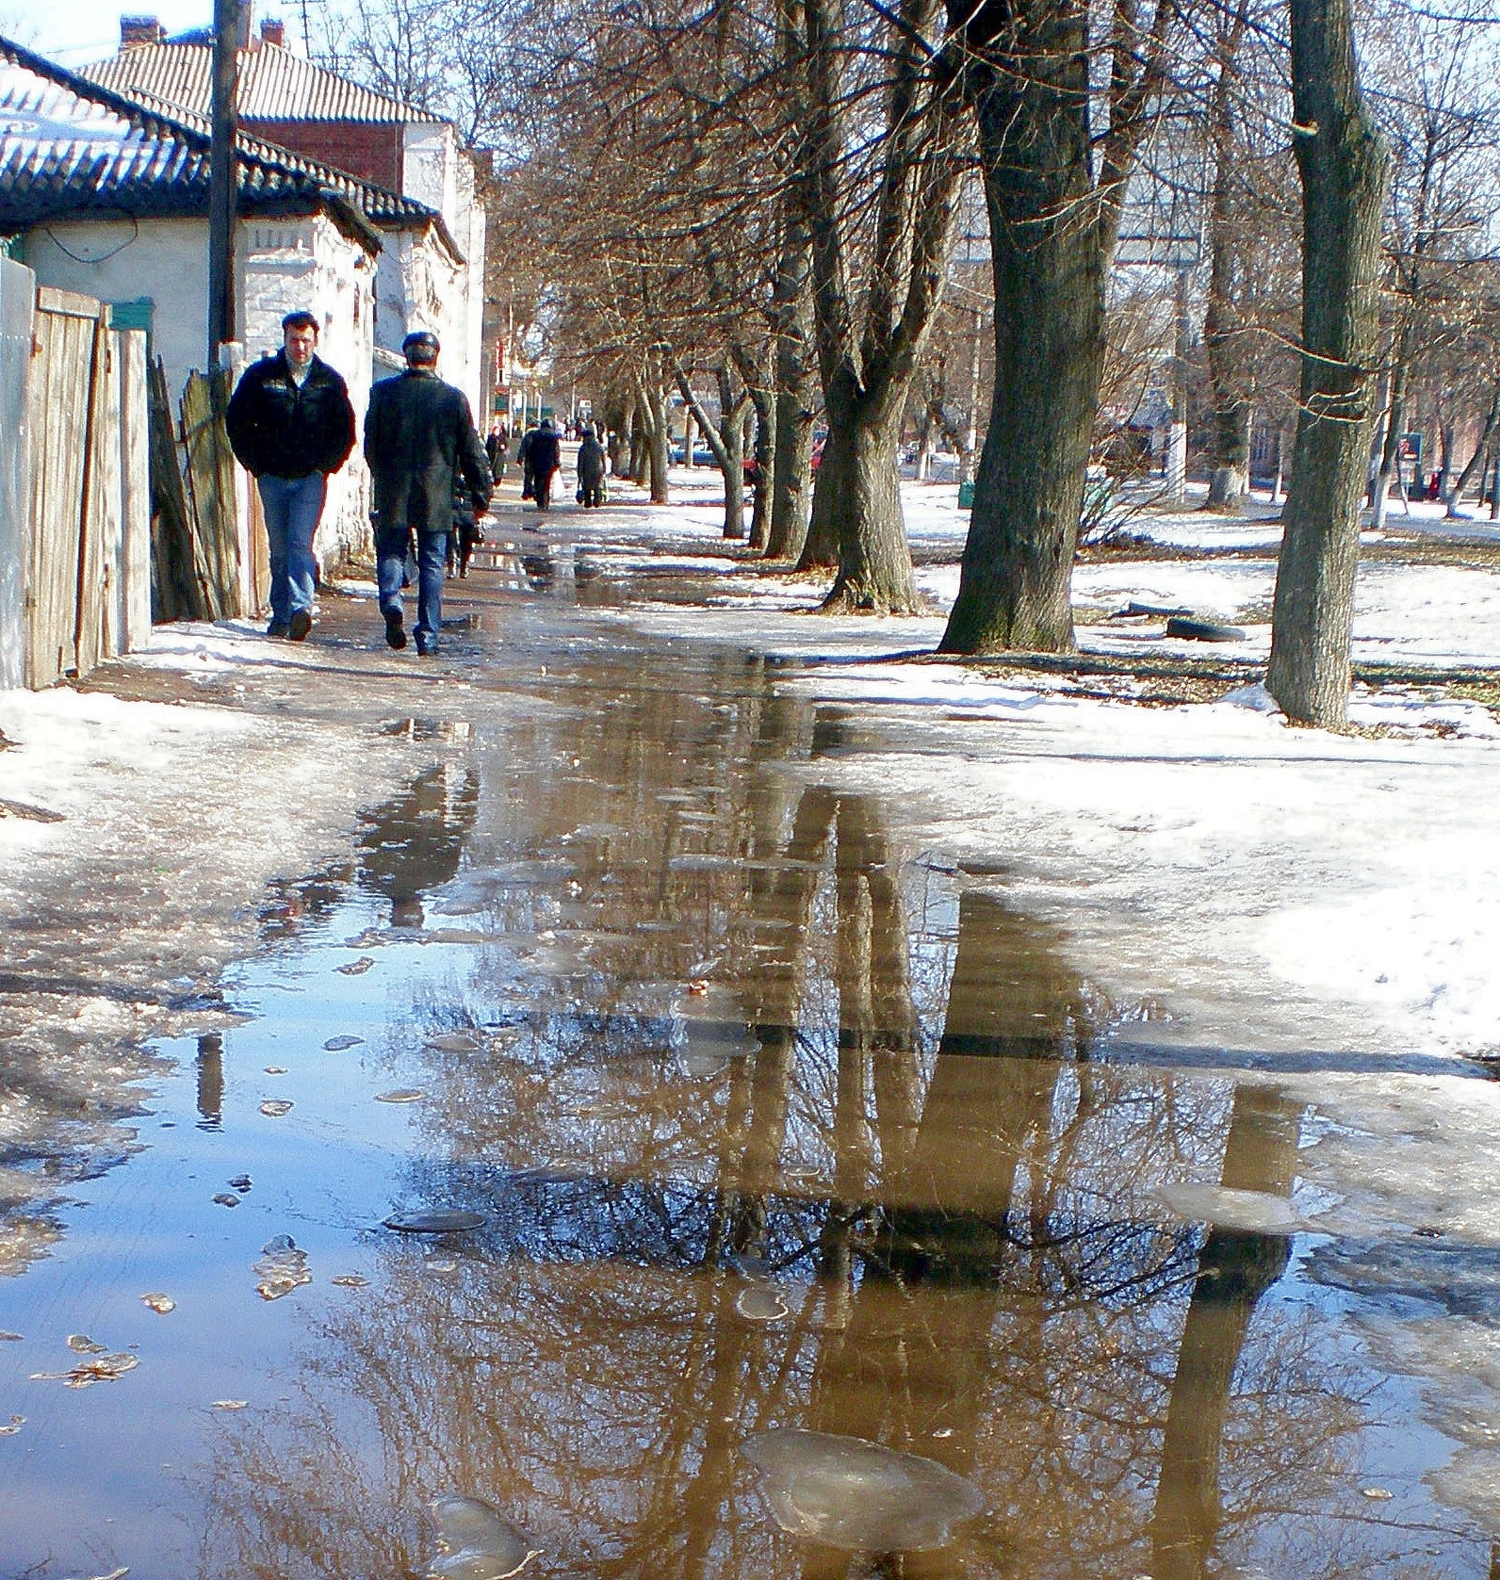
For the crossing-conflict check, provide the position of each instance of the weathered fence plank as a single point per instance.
(101, 541)
(174, 586)
(64, 340)
(211, 485)
(135, 477)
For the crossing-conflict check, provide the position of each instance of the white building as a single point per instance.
(428, 276)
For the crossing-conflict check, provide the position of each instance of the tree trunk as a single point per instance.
(1480, 455)
(1343, 164)
(1014, 589)
(765, 466)
(1390, 449)
(651, 409)
(1223, 323)
(857, 507)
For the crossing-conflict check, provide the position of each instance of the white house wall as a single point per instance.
(436, 171)
(124, 260)
(307, 263)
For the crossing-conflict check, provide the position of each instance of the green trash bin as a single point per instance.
(965, 496)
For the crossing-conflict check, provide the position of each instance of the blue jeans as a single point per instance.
(292, 506)
(432, 568)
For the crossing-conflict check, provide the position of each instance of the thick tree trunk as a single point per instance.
(1014, 589)
(857, 507)
(1480, 455)
(651, 409)
(1343, 164)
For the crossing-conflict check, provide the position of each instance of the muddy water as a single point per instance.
(766, 1122)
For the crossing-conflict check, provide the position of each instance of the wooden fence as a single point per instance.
(201, 572)
(87, 574)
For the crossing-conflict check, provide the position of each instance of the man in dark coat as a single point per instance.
(545, 455)
(591, 466)
(290, 424)
(523, 455)
(418, 436)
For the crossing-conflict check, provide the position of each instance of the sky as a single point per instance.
(81, 31)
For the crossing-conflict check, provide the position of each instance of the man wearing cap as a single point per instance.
(419, 442)
(291, 425)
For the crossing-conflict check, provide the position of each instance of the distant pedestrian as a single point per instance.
(495, 449)
(546, 458)
(523, 455)
(591, 470)
(418, 436)
(291, 424)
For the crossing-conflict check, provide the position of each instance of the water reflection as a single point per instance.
(411, 846)
(901, 1200)
(759, 1124)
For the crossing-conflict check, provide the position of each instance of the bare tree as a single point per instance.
(1343, 164)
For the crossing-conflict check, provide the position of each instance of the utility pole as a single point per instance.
(221, 179)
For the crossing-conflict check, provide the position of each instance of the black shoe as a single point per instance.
(427, 652)
(298, 626)
(277, 628)
(395, 636)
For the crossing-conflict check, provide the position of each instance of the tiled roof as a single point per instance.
(69, 146)
(274, 85)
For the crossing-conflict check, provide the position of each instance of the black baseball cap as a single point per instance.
(420, 340)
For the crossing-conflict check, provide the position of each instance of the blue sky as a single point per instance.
(75, 32)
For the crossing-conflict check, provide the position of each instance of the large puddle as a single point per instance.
(632, 1122)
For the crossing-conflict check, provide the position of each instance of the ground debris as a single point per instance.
(338, 1044)
(349, 1281)
(455, 1042)
(436, 1222)
(281, 1269)
(15, 1425)
(227, 1198)
(159, 1303)
(32, 814)
(229, 1404)
(275, 1107)
(476, 1543)
(98, 1368)
(401, 1094)
(355, 968)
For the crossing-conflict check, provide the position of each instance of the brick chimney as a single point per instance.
(273, 33)
(137, 30)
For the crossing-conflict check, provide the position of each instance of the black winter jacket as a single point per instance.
(418, 435)
(545, 451)
(278, 429)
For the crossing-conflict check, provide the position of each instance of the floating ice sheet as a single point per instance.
(434, 1222)
(849, 1493)
(477, 1544)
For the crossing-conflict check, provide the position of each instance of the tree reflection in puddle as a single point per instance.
(915, 1151)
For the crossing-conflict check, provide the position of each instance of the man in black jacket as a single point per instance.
(546, 456)
(418, 436)
(290, 423)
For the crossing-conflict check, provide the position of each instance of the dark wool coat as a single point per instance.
(279, 430)
(591, 463)
(419, 437)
